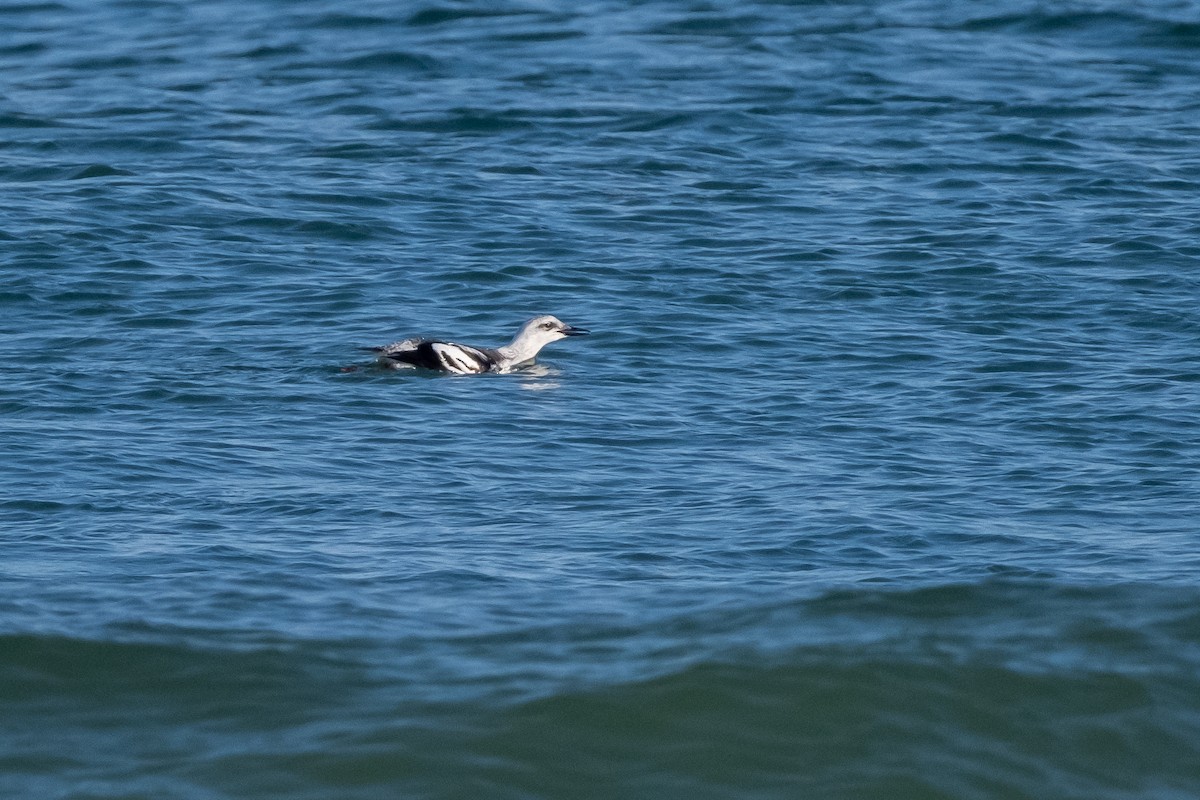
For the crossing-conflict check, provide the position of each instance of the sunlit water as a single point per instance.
(876, 479)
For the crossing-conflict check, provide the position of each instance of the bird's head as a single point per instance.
(546, 329)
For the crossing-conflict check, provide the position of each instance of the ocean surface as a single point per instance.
(879, 476)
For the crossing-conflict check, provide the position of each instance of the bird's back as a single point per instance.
(446, 356)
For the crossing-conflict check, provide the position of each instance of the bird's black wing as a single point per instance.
(445, 356)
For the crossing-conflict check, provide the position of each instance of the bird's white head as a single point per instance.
(536, 334)
(546, 329)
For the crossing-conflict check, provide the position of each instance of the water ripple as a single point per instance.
(883, 444)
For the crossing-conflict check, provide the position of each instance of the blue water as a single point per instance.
(878, 477)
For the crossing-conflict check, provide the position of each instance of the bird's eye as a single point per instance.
(547, 325)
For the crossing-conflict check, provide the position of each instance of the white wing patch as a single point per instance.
(459, 358)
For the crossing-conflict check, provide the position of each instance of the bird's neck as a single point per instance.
(519, 349)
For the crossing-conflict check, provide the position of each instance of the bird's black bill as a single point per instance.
(571, 330)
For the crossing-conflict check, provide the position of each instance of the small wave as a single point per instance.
(972, 690)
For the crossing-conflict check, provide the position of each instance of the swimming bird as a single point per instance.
(463, 359)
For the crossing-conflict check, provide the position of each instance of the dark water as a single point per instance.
(878, 478)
